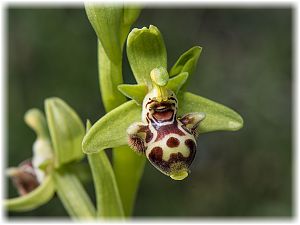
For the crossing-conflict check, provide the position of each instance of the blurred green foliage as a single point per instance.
(246, 64)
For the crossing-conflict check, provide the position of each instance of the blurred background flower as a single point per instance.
(246, 64)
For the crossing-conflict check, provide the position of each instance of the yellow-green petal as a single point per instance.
(176, 83)
(136, 92)
(187, 62)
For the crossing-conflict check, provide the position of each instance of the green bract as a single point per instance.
(108, 198)
(143, 59)
(107, 20)
(72, 194)
(111, 25)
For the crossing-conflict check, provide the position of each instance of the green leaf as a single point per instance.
(66, 130)
(40, 196)
(107, 194)
(187, 62)
(145, 51)
(218, 117)
(35, 119)
(72, 194)
(176, 83)
(107, 21)
(128, 167)
(110, 130)
(136, 92)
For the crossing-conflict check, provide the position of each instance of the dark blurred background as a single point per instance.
(246, 64)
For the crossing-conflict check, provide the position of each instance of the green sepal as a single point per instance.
(40, 196)
(36, 120)
(72, 194)
(217, 117)
(136, 92)
(110, 130)
(176, 83)
(66, 131)
(187, 62)
(145, 51)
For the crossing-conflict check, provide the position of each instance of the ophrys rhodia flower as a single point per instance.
(53, 166)
(166, 140)
(146, 51)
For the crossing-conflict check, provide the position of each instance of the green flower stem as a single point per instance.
(72, 194)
